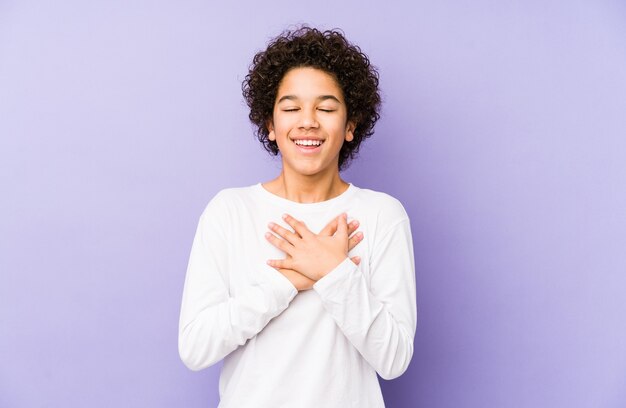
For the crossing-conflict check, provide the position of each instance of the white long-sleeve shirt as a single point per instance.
(284, 348)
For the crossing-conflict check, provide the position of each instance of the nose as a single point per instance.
(308, 119)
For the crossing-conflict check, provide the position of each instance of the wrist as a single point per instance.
(332, 265)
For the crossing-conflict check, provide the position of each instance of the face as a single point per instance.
(309, 122)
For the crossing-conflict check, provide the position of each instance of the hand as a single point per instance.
(312, 255)
(298, 280)
(301, 282)
(332, 226)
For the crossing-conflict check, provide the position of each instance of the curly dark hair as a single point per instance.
(325, 50)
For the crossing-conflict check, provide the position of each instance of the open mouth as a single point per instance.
(308, 144)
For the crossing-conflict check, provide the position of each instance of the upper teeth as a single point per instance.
(308, 142)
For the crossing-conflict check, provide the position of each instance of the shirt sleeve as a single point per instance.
(379, 318)
(212, 322)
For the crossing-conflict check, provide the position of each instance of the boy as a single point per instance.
(304, 309)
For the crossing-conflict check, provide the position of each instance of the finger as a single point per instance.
(280, 263)
(356, 259)
(297, 225)
(330, 228)
(281, 244)
(354, 240)
(290, 236)
(352, 226)
(342, 225)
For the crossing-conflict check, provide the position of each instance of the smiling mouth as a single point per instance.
(308, 143)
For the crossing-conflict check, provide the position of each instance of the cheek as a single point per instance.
(281, 133)
(282, 125)
(338, 129)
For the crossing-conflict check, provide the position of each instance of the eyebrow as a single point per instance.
(319, 98)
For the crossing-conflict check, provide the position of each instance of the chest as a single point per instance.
(248, 249)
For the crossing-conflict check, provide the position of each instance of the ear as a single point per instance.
(350, 126)
(270, 128)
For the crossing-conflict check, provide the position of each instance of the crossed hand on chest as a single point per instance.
(310, 256)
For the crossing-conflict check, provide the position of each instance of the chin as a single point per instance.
(309, 167)
(306, 170)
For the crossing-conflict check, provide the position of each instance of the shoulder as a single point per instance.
(383, 204)
(232, 195)
(228, 199)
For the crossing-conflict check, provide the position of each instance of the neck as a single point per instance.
(307, 189)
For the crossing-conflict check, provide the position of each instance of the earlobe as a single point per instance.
(350, 131)
(270, 128)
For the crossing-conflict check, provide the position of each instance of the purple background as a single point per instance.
(503, 133)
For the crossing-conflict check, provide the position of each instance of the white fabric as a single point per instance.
(317, 348)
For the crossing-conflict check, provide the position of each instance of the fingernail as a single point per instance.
(285, 216)
(271, 225)
(359, 235)
(267, 235)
